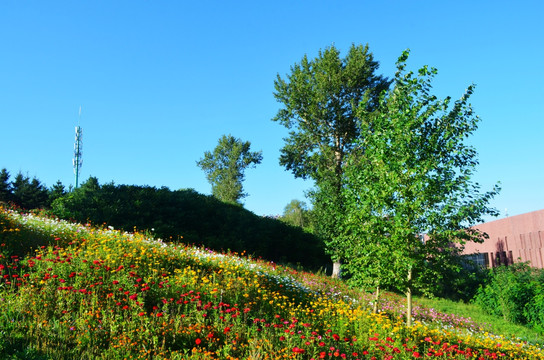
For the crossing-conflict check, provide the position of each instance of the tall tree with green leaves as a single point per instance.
(296, 213)
(320, 98)
(225, 167)
(5, 186)
(409, 193)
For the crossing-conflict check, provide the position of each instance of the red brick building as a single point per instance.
(512, 239)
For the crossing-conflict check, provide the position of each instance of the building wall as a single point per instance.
(512, 239)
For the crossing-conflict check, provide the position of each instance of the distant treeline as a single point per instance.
(183, 215)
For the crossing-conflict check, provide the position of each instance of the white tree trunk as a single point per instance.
(336, 269)
(376, 301)
(409, 300)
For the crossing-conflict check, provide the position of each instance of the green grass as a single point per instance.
(492, 323)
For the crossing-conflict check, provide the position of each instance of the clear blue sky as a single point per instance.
(160, 81)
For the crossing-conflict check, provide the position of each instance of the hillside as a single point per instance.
(201, 220)
(72, 291)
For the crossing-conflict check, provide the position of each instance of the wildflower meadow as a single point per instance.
(76, 291)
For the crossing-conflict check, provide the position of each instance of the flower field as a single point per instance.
(71, 291)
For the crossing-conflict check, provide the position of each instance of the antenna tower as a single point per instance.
(78, 161)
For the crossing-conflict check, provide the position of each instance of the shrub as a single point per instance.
(511, 293)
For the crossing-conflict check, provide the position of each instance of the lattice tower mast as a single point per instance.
(77, 160)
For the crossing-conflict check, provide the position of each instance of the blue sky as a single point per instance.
(160, 81)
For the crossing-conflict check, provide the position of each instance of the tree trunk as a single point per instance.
(336, 269)
(376, 300)
(409, 300)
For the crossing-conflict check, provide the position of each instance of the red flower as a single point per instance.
(198, 341)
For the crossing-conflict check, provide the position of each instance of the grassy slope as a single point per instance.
(87, 293)
(491, 323)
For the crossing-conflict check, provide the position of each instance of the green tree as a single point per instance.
(85, 203)
(5, 186)
(320, 98)
(29, 194)
(225, 167)
(409, 193)
(56, 191)
(296, 213)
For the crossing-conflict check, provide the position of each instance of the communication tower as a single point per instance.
(78, 161)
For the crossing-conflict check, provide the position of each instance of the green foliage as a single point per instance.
(410, 175)
(198, 219)
(56, 191)
(328, 215)
(516, 294)
(225, 166)
(534, 310)
(320, 99)
(296, 213)
(29, 193)
(462, 283)
(5, 186)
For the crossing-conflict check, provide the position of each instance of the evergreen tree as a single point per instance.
(5, 186)
(29, 194)
(56, 191)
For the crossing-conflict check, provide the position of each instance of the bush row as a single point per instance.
(192, 218)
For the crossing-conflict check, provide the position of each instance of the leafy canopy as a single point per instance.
(320, 98)
(408, 189)
(225, 167)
